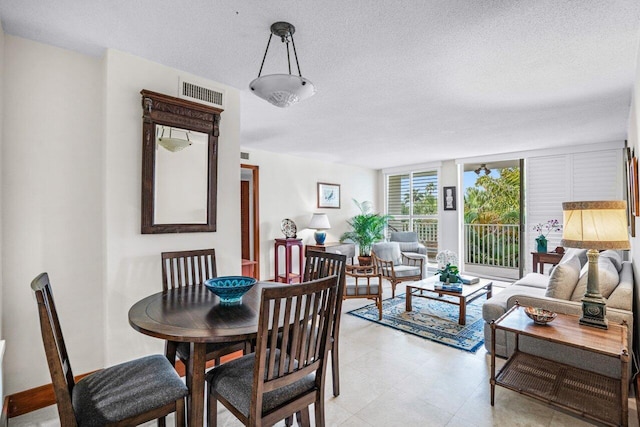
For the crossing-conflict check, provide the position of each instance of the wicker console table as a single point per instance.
(577, 390)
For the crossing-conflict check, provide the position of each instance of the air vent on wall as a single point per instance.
(205, 95)
(244, 156)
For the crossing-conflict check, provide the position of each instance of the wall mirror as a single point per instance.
(179, 164)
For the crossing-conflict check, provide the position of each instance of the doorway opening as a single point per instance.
(493, 218)
(250, 220)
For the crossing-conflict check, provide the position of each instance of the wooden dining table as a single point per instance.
(193, 314)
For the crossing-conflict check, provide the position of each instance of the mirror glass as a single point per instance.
(181, 176)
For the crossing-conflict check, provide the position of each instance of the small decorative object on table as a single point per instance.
(449, 274)
(540, 316)
(544, 230)
(288, 228)
(230, 289)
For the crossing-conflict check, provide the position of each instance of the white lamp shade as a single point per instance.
(282, 90)
(319, 222)
(595, 225)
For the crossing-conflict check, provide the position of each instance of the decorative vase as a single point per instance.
(542, 244)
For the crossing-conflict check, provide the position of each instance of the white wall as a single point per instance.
(288, 189)
(133, 266)
(51, 204)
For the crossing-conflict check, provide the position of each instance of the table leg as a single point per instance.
(492, 381)
(195, 383)
(462, 320)
(408, 298)
(489, 290)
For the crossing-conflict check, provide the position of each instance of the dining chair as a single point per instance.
(192, 268)
(325, 264)
(396, 266)
(284, 376)
(130, 393)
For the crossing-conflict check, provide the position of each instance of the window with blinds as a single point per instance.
(412, 201)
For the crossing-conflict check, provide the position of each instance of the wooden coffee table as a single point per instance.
(425, 289)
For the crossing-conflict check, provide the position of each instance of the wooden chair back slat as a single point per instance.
(187, 268)
(55, 349)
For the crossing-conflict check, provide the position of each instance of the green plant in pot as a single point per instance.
(367, 228)
(449, 274)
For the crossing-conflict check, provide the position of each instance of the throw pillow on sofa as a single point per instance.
(575, 252)
(563, 279)
(608, 279)
(615, 258)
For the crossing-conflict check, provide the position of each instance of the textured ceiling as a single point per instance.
(399, 82)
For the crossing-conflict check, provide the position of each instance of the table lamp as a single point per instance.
(320, 222)
(595, 226)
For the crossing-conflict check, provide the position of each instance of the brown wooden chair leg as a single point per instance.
(212, 409)
(335, 369)
(319, 409)
(170, 353)
(379, 304)
(303, 418)
(180, 421)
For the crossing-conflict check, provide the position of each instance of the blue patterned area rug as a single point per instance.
(434, 320)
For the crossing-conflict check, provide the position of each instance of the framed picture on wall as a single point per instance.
(449, 198)
(328, 195)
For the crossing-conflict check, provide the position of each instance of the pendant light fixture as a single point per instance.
(173, 144)
(282, 90)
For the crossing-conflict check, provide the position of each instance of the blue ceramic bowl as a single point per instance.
(230, 289)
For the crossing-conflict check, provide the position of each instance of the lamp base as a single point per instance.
(594, 311)
(320, 236)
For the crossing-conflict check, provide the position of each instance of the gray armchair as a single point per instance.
(397, 266)
(408, 241)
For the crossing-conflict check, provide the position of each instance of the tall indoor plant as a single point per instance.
(367, 228)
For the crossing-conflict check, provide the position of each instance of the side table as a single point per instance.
(289, 276)
(542, 258)
(585, 393)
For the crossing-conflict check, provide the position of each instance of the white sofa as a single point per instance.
(562, 292)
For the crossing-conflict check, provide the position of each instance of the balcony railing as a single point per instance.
(495, 245)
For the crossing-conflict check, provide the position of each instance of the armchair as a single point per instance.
(408, 241)
(396, 266)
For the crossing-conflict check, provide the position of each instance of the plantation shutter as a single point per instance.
(552, 180)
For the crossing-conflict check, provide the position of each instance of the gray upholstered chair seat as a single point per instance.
(405, 270)
(109, 396)
(183, 352)
(234, 381)
(351, 290)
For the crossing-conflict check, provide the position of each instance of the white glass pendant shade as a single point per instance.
(173, 144)
(282, 90)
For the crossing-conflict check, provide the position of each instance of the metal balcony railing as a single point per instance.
(495, 245)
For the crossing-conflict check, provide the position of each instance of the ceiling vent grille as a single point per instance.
(205, 95)
(244, 156)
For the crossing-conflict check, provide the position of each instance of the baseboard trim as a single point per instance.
(40, 397)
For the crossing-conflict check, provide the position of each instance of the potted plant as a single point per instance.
(368, 228)
(543, 230)
(449, 274)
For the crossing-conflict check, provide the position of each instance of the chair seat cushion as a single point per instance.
(406, 271)
(122, 391)
(350, 290)
(234, 381)
(182, 349)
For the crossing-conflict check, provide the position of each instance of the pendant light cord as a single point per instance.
(265, 55)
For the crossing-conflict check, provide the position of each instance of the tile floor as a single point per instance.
(389, 378)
